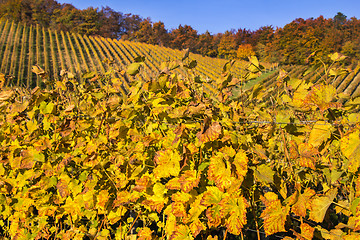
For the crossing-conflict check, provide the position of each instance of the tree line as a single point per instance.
(291, 44)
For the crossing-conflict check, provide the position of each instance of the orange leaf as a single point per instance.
(303, 202)
(274, 214)
(173, 184)
(178, 209)
(155, 203)
(188, 180)
(102, 199)
(62, 187)
(307, 232)
(308, 155)
(196, 227)
(220, 171)
(142, 183)
(145, 233)
(214, 215)
(210, 133)
(241, 164)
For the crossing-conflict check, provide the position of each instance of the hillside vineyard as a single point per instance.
(22, 47)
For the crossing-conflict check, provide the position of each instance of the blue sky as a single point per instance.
(221, 15)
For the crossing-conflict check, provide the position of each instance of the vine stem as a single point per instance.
(225, 234)
(132, 225)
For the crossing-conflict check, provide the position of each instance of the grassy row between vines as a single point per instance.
(79, 160)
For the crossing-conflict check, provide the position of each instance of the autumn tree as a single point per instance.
(206, 45)
(183, 37)
(227, 46)
(145, 33)
(244, 51)
(161, 35)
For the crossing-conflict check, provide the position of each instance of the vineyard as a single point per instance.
(143, 150)
(21, 47)
(346, 82)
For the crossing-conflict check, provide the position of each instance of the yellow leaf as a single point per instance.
(145, 233)
(115, 216)
(102, 199)
(274, 214)
(320, 205)
(236, 208)
(170, 225)
(357, 218)
(319, 133)
(182, 232)
(167, 163)
(350, 148)
(181, 197)
(196, 208)
(321, 96)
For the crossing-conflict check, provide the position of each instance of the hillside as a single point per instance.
(22, 46)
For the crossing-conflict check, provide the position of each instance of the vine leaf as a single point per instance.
(196, 227)
(167, 163)
(182, 232)
(350, 148)
(236, 208)
(188, 180)
(303, 202)
(308, 155)
(212, 198)
(220, 171)
(307, 232)
(322, 96)
(320, 205)
(209, 133)
(319, 133)
(241, 164)
(145, 233)
(357, 218)
(274, 214)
